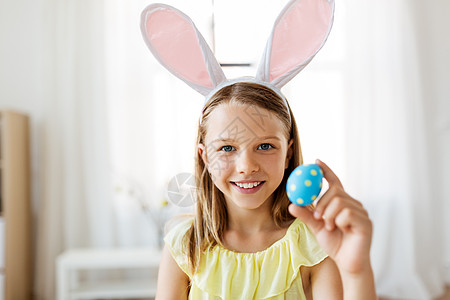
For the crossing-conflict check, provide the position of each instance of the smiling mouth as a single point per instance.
(248, 185)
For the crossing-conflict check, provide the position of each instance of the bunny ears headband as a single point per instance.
(298, 34)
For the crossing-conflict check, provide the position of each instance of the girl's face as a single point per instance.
(246, 152)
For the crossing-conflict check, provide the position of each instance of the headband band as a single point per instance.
(250, 80)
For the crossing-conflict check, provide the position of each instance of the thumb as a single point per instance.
(307, 216)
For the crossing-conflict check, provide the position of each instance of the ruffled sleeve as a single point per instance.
(174, 241)
(266, 274)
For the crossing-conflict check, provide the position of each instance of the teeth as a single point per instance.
(248, 185)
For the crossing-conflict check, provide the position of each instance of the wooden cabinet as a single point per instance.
(15, 208)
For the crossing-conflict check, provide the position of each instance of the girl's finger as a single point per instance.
(336, 206)
(306, 215)
(325, 200)
(328, 174)
(353, 220)
(329, 196)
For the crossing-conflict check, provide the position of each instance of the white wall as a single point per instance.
(27, 67)
(25, 59)
(24, 55)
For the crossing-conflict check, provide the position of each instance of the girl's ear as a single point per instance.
(299, 32)
(177, 44)
(289, 154)
(202, 153)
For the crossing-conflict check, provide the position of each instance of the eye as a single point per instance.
(265, 146)
(227, 148)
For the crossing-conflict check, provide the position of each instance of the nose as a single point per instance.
(246, 162)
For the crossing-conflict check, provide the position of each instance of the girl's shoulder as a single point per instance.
(304, 242)
(176, 239)
(175, 232)
(178, 224)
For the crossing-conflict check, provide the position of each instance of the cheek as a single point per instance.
(276, 167)
(276, 162)
(220, 165)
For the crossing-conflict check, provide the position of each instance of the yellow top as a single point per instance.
(273, 273)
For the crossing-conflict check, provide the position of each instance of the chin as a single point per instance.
(250, 204)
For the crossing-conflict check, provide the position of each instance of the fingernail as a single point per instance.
(317, 215)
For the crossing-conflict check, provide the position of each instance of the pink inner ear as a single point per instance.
(175, 41)
(298, 35)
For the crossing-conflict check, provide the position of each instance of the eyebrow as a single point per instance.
(269, 137)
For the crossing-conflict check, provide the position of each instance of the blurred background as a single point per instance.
(110, 127)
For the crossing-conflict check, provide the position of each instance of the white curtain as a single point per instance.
(392, 122)
(74, 208)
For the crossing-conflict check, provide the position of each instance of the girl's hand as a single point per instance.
(341, 226)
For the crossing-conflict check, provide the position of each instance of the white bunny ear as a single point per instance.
(299, 32)
(177, 44)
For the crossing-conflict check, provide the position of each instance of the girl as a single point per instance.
(245, 241)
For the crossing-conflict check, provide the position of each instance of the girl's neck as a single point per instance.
(251, 231)
(250, 221)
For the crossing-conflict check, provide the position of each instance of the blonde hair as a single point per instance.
(211, 214)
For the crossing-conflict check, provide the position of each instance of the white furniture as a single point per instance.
(16, 273)
(71, 285)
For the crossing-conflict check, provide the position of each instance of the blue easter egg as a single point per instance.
(304, 184)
